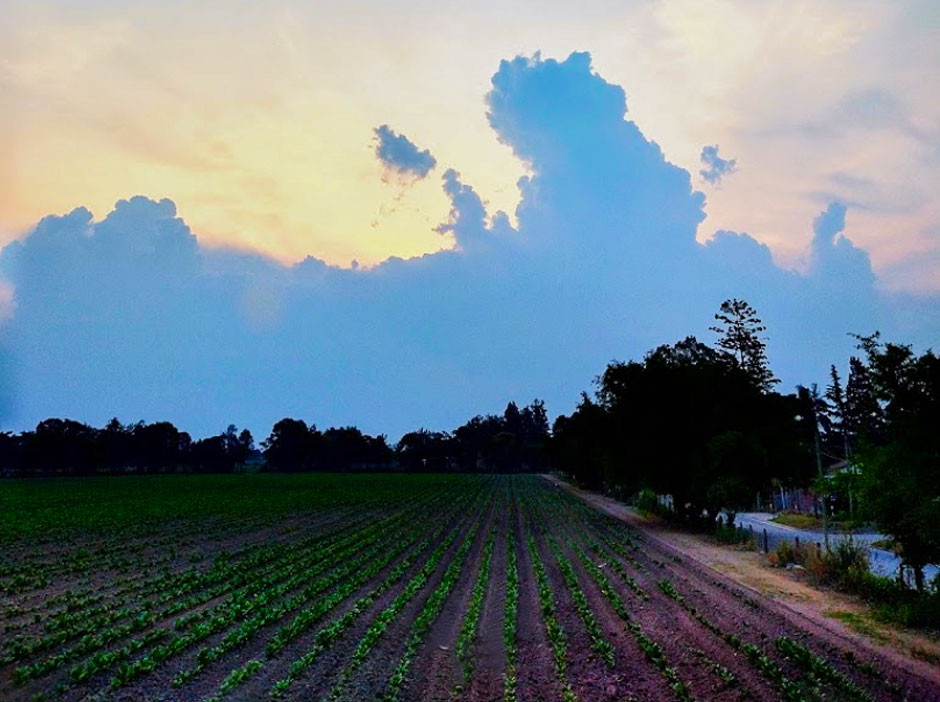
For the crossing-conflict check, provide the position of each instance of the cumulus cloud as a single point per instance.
(400, 155)
(716, 167)
(833, 256)
(129, 315)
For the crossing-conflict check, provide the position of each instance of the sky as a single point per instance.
(401, 215)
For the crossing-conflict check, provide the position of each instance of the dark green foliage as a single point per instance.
(511, 443)
(688, 422)
(900, 479)
(510, 615)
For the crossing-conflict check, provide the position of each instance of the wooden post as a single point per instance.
(766, 542)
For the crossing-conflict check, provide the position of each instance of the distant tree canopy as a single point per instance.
(63, 446)
(511, 442)
(295, 447)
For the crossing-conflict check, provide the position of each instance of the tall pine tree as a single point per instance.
(740, 329)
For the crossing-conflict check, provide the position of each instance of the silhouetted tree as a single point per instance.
(292, 446)
(425, 451)
(863, 414)
(159, 446)
(689, 421)
(740, 329)
(61, 445)
(835, 398)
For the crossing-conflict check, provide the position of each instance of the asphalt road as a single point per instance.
(882, 562)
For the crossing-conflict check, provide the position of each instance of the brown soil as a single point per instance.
(757, 604)
(631, 676)
(437, 673)
(535, 672)
(488, 651)
(737, 598)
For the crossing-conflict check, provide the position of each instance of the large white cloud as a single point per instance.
(129, 316)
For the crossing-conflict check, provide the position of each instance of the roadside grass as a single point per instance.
(860, 623)
(798, 521)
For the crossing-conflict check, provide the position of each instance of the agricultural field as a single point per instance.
(398, 587)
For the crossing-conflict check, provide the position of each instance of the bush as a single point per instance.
(648, 501)
(789, 552)
(894, 602)
(730, 534)
(922, 611)
(843, 567)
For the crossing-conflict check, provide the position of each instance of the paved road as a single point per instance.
(882, 562)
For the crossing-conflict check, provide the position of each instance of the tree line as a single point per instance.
(704, 429)
(511, 442)
(701, 427)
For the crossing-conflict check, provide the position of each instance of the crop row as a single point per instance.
(260, 605)
(556, 634)
(428, 615)
(325, 637)
(791, 690)
(570, 512)
(471, 622)
(511, 611)
(598, 642)
(364, 566)
(252, 591)
(219, 579)
(401, 542)
(388, 615)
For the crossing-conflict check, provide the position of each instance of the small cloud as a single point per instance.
(716, 167)
(400, 155)
(834, 257)
(828, 224)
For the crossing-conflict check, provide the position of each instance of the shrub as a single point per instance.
(844, 566)
(789, 552)
(730, 534)
(648, 501)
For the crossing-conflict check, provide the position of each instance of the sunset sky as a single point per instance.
(263, 123)
(257, 118)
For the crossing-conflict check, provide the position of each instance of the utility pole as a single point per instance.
(825, 501)
(819, 468)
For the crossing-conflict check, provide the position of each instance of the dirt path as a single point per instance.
(800, 603)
